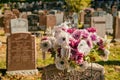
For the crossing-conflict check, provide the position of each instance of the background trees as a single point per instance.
(77, 5)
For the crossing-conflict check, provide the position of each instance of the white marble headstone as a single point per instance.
(19, 25)
(109, 23)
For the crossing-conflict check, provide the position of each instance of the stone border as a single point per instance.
(23, 72)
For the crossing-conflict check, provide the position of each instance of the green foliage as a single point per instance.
(77, 5)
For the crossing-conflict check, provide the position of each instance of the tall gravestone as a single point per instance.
(8, 15)
(99, 23)
(33, 22)
(19, 25)
(21, 54)
(109, 23)
(116, 32)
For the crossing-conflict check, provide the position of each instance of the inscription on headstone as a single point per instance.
(21, 52)
(19, 25)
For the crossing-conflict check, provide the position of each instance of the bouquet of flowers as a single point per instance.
(70, 46)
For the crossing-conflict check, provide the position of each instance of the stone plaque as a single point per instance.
(59, 18)
(19, 25)
(52, 73)
(21, 52)
(99, 23)
(50, 21)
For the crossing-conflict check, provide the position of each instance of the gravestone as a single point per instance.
(117, 29)
(59, 18)
(8, 15)
(21, 54)
(99, 23)
(19, 25)
(33, 22)
(50, 20)
(109, 24)
(42, 22)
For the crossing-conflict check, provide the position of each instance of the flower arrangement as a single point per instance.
(70, 47)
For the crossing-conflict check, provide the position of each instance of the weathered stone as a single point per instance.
(52, 73)
(21, 52)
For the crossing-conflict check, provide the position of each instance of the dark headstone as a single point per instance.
(33, 22)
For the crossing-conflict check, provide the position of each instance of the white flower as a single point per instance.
(85, 65)
(45, 45)
(106, 52)
(62, 39)
(61, 63)
(65, 53)
(83, 47)
(53, 41)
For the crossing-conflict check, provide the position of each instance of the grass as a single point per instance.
(112, 66)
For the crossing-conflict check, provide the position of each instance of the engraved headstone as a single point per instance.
(33, 22)
(99, 23)
(21, 53)
(19, 25)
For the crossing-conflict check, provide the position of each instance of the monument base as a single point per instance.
(23, 72)
(93, 72)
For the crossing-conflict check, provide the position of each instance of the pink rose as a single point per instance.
(91, 29)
